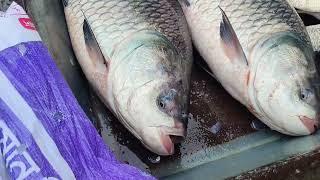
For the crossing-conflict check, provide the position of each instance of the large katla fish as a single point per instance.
(261, 53)
(137, 55)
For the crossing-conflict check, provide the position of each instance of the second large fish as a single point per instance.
(137, 55)
(260, 52)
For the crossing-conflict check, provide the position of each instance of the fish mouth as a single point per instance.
(176, 134)
(311, 124)
(170, 136)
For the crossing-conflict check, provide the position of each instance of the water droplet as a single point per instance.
(154, 160)
(216, 127)
(72, 61)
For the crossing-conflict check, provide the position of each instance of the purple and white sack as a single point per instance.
(44, 134)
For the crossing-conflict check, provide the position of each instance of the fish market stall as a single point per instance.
(224, 140)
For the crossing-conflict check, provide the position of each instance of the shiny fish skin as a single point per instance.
(280, 60)
(247, 18)
(113, 20)
(144, 74)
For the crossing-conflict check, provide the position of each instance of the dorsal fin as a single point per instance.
(92, 45)
(230, 41)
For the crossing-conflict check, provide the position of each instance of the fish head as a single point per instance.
(155, 106)
(285, 89)
(162, 115)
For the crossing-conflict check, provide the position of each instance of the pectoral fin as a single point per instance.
(203, 65)
(230, 42)
(93, 47)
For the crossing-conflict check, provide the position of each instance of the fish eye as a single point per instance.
(306, 94)
(166, 100)
(161, 104)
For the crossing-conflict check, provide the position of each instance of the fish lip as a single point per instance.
(167, 135)
(311, 124)
(171, 136)
(173, 131)
(167, 144)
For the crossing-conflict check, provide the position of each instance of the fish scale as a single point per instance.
(244, 16)
(115, 13)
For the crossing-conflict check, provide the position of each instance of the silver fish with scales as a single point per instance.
(260, 52)
(137, 55)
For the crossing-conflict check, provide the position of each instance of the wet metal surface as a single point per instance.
(304, 166)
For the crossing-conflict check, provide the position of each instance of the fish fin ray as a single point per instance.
(203, 65)
(231, 43)
(92, 45)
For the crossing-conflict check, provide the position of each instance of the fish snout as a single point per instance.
(179, 124)
(181, 127)
(161, 139)
(172, 135)
(311, 124)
